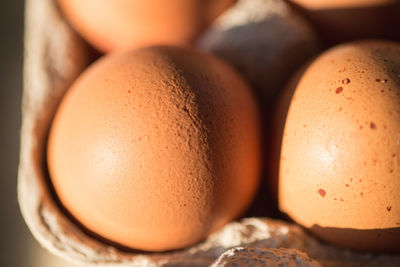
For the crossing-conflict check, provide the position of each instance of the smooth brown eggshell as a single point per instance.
(345, 20)
(126, 24)
(155, 148)
(340, 155)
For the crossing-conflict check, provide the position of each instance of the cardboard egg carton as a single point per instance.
(54, 56)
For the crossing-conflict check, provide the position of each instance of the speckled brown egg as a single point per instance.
(155, 148)
(127, 24)
(344, 20)
(340, 156)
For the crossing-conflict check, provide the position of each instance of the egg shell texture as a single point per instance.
(126, 24)
(155, 148)
(340, 164)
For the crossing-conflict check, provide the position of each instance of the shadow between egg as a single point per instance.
(372, 240)
(275, 137)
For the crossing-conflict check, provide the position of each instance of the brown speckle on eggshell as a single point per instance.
(336, 148)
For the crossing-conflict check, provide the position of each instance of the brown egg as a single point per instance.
(340, 156)
(126, 24)
(155, 148)
(345, 20)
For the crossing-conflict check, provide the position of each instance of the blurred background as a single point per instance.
(17, 246)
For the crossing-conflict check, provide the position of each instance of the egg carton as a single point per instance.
(55, 55)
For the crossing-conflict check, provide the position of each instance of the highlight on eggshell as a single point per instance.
(126, 24)
(155, 148)
(346, 20)
(340, 154)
